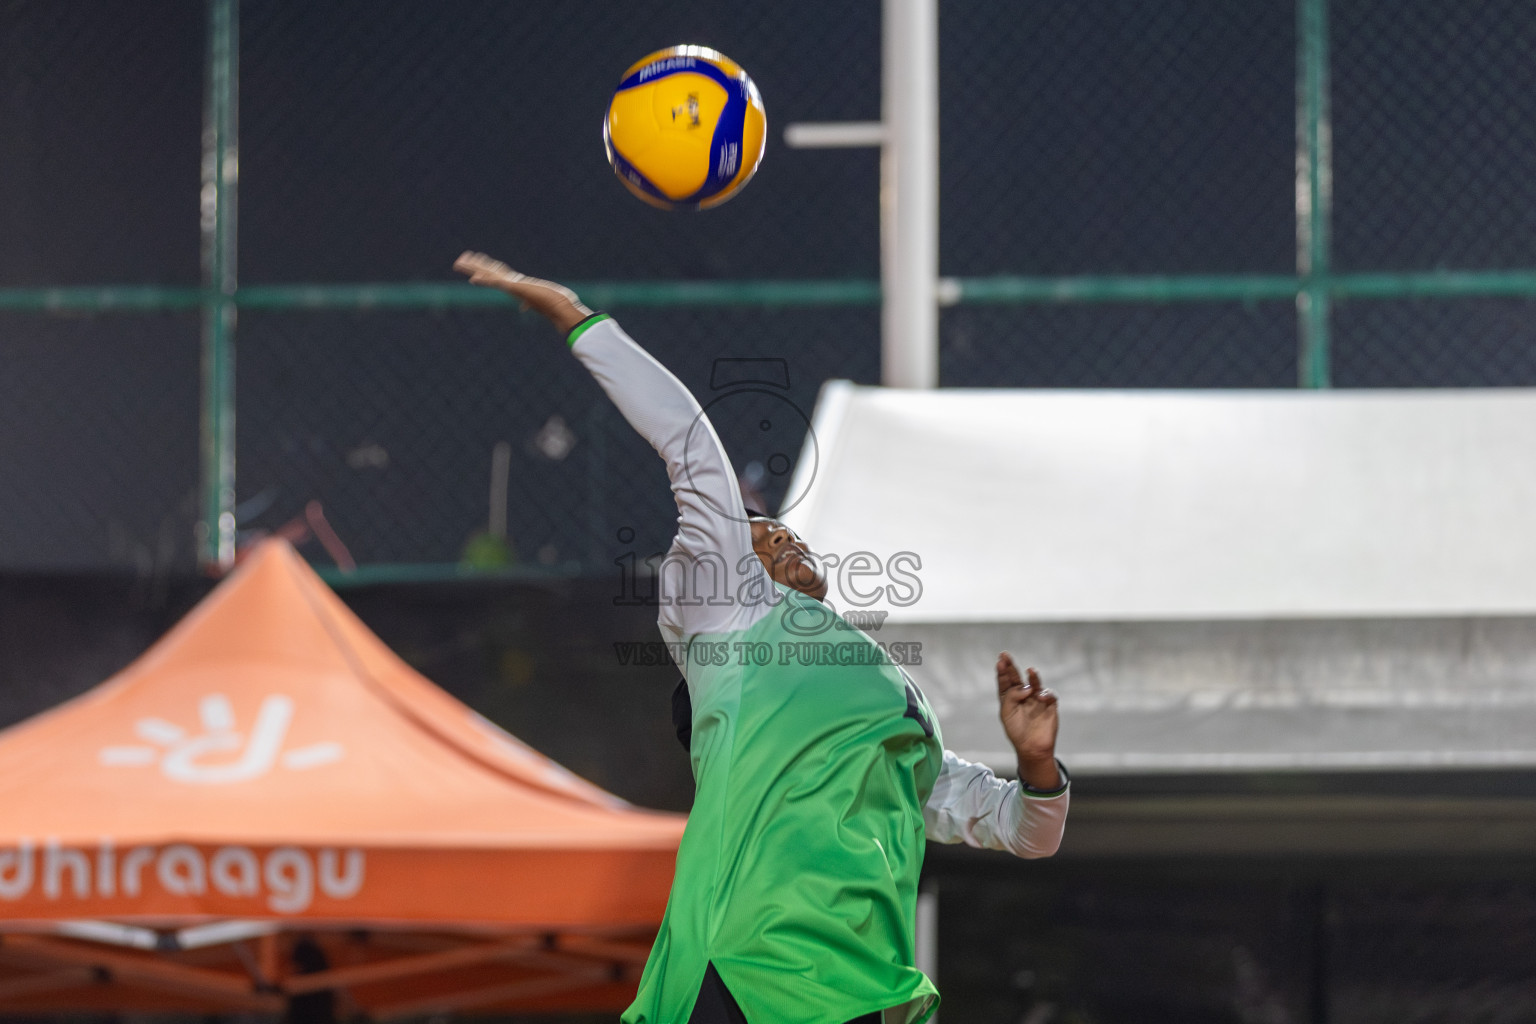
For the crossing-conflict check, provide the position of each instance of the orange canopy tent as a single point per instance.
(269, 775)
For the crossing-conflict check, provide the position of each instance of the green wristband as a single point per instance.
(581, 328)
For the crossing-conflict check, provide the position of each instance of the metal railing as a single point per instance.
(1313, 287)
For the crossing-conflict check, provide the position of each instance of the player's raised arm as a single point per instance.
(712, 555)
(555, 302)
(969, 804)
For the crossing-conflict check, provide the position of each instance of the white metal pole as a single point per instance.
(834, 135)
(909, 195)
(925, 946)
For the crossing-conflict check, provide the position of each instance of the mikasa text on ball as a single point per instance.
(685, 128)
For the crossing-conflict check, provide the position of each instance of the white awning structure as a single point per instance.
(1212, 580)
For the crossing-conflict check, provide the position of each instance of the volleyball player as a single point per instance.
(817, 779)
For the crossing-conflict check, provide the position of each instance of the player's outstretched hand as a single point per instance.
(556, 302)
(1028, 712)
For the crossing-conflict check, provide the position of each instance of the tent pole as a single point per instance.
(494, 994)
(146, 971)
(402, 967)
(37, 984)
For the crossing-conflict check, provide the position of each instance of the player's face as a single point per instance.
(787, 559)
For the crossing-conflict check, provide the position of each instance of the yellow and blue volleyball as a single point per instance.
(685, 129)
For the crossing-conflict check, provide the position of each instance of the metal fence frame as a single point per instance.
(1313, 287)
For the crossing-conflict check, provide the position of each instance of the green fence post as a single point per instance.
(1314, 191)
(216, 528)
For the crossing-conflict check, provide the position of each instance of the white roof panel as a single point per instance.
(1040, 506)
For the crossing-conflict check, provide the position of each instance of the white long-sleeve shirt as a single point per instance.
(711, 581)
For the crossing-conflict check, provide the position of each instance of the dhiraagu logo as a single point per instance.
(220, 751)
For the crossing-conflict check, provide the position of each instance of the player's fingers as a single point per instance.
(480, 275)
(482, 269)
(469, 261)
(492, 277)
(1046, 697)
(1007, 673)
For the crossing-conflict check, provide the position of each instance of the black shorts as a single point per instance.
(715, 1005)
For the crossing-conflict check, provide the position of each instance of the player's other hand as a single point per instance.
(1028, 713)
(555, 302)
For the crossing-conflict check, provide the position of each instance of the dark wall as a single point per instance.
(1255, 941)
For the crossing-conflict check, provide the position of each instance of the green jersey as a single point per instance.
(797, 875)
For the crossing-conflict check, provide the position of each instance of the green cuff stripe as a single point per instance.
(581, 328)
(1066, 783)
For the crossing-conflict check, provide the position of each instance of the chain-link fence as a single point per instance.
(1117, 137)
(1434, 139)
(377, 141)
(98, 440)
(100, 114)
(391, 422)
(1132, 195)
(1138, 344)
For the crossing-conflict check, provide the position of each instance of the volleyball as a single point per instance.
(685, 128)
